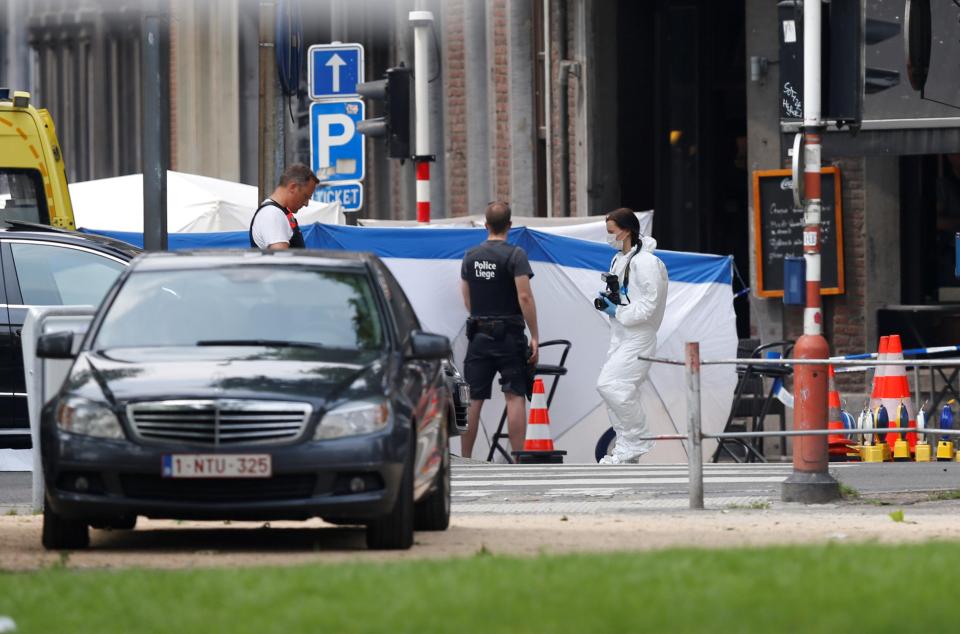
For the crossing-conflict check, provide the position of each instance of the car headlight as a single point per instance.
(353, 419)
(80, 416)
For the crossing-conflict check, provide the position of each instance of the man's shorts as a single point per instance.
(486, 356)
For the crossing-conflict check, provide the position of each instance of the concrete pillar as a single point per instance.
(523, 179)
(248, 97)
(15, 69)
(595, 149)
(763, 147)
(207, 93)
(882, 230)
(479, 189)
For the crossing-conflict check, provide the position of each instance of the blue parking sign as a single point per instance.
(334, 70)
(336, 148)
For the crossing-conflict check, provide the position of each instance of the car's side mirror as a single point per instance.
(425, 345)
(57, 345)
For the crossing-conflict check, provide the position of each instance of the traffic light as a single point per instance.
(394, 123)
(878, 79)
(932, 33)
(852, 62)
(840, 61)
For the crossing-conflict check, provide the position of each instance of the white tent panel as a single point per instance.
(195, 204)
(695, 312)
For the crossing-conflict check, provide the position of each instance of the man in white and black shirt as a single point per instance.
(274, 225)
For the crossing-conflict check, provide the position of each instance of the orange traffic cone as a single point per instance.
(879, 380)
(897, 391)
(840, 444)
(538, 445)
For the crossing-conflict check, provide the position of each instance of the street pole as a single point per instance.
(422, 22)
(811, 481)
(694, 436)
(155, 131)
(267, 110)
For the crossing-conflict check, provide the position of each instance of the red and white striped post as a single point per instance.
(423, 191)
(422, 22)
(811, 481)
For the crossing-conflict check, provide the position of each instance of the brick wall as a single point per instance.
(844, 314)
(845, 322)
(500, 85)
(455, 141)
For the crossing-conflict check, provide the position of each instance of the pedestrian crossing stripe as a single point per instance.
(616, 481)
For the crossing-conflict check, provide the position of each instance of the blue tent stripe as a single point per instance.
(451, 244)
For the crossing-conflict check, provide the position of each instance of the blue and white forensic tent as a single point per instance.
(426, 261)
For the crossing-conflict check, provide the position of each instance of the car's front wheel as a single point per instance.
(432, 513)
(63, 533)
(394, 531)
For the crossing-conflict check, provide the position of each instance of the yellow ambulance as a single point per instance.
(33, 184)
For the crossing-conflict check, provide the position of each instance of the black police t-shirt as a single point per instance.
(489, 269)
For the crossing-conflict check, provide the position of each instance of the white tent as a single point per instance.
(195, 204)
(566, 279)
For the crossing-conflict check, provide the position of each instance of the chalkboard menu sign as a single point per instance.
(778, 228)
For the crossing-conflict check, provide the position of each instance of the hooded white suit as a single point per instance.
(633, 332)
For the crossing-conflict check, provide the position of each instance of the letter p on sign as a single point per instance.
(336, 149)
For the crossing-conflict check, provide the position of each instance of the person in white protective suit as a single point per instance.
(635, 317)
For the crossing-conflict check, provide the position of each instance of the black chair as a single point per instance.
(753, 401)
(556, 371)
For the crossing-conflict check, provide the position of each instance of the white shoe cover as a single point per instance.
(618, 459)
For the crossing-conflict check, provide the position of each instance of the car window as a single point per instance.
(52, 275)
(331, 309)
(399, 304)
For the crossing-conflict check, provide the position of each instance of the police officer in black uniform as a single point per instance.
(274, 225)
(495, 281)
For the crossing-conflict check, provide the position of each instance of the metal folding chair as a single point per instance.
(556, 371)
(752, 402)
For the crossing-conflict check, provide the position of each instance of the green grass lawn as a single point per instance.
(834, 588)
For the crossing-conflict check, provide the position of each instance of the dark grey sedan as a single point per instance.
(238, 385)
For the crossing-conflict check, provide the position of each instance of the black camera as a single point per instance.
(612, 292)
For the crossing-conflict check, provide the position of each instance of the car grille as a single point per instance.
(280, 487)
(219, 422)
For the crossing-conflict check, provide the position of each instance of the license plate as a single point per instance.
(217, 465)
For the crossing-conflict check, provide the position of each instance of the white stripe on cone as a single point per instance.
(538, 431)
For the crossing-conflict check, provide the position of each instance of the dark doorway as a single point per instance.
(682, 123)
(929, 222)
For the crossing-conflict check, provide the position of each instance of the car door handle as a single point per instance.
(18, 332)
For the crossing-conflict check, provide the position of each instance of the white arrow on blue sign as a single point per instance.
(334, 70)
(349, 195)
(336, 148)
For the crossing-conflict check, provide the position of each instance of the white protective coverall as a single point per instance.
(633, 332)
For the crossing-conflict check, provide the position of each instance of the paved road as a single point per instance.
(483, 488)
(518, 489)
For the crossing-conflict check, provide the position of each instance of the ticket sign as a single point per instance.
(349, 195)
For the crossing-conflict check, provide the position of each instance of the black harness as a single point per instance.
(296, 240)
(626, 271)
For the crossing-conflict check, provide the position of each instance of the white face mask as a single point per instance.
(614, 242)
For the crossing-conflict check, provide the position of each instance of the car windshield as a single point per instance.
(244, 306)
(20, 196)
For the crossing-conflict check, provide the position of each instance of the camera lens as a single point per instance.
(598, 303)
